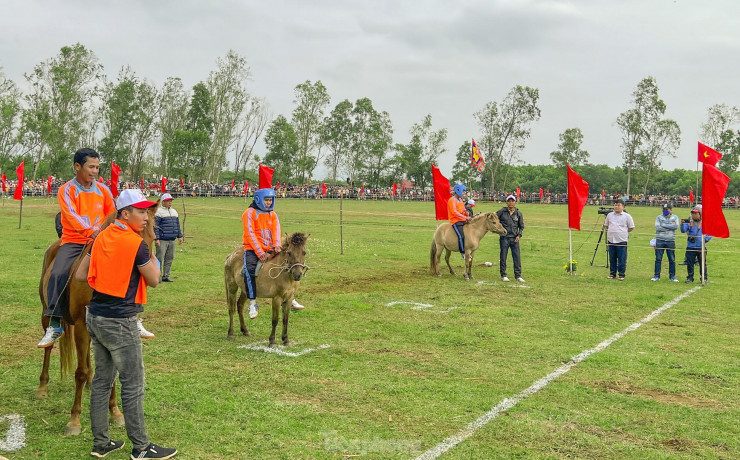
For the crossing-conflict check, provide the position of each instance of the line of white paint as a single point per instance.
(420, 306)
(279, 350)
(16, 437)
(508, 403)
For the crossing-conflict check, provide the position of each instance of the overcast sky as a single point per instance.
(412, 58)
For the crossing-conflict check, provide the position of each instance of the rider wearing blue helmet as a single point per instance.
(261, 239)
(457, 215)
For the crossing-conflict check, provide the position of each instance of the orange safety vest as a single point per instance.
(112, 261)
(456, 210)
(261, 231)
(83, 210)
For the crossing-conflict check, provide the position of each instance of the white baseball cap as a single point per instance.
(166, 197)
(510, 197)
(133, 197)
(471, 202)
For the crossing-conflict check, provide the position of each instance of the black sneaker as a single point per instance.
(153, 451)
(100, 452)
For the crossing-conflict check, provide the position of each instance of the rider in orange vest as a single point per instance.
(457, 215)
(261, 238)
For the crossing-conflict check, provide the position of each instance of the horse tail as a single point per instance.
(433, 258)
(67, 350)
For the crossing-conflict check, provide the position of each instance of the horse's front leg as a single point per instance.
(275, 317)
(82, 346)
(286, 311)
(448, 253)
(469, 265)
(240, 308)
(115, 413)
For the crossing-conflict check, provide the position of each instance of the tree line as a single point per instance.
(210, 132)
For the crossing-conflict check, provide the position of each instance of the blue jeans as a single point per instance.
(669, 247)
(117, 348)
(617, 258)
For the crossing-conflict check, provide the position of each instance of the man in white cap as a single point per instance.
(167, 230)
(469, 207)
(513, 221)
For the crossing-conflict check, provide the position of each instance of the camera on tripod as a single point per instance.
(604, 210)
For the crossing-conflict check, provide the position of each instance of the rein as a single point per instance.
(284, 267)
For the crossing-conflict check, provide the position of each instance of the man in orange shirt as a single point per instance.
(84, 204)
(262, 237)
(458, 215)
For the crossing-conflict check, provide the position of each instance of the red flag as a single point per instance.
(278, 185)
(141, 184)
(708, 156)
(603, 193)
(101, 179)
(233, 184)
(691, 196)
(182, 182)
(577, 196)
(115, 174)
(265, 176)
(518, 193)
(395, 188)
(362, 190)
(542, 192)
(48, 186)
(246, 186)
(323, 189)
(4, 178)
(713, 188)
(441, 193)
(18, 195)
(164, 185)
(403, 189)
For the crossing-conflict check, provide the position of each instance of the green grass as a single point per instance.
(397, 381)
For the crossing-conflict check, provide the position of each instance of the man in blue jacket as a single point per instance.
(167, 230)
(692, 228)
(666, 225)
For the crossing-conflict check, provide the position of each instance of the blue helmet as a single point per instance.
(459, 189)
(259, 198)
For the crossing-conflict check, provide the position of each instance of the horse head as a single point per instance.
(295, 255)
(493, 224)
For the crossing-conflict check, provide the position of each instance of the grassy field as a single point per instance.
(394, 381)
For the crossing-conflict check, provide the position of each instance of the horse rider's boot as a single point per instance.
(296, 306)
(253, 309)
(51, 335)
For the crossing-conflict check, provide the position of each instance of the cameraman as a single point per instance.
(692, 228)
(618, 225)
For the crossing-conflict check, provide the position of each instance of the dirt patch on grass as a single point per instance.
(680, 444)
(664, 397)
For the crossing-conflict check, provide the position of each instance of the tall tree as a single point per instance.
(463, 171)
(505, 127)
(194, 141)
(425, 148)
(569, 149)
(311, 100)
(173, 119)
(729, 145)
(720, 118)
(337, 136)
(663, 139)
(252, 124)
(282, 147)
(56, 117)
(10, 111)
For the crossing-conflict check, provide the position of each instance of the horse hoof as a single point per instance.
(271, 344)
(73, 430)
(230, 337)
(42, 393)
(118, 420)
(246, 333)
(286, 342)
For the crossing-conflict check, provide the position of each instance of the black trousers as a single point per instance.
(56, 293)
(507, 243)
(458, 227)
(250, 280)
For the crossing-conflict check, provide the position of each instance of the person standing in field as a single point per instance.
(469, 207)
(167, 230)
(457, 215)
(693, 229)
(513, 221)
(84, 204)
(666, 225)
(618, 226)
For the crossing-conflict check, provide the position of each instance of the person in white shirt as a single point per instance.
(618, 226)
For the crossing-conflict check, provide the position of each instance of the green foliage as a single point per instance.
(569, 149)
(307, 121)
(282, 146)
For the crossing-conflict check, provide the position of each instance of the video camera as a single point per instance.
(605, 210)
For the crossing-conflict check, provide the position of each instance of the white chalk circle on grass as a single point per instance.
(421, 306)
(15, 438)
(280, 350)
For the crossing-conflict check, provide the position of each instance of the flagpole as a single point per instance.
(341, 225)
(20, 214)
(570, 249)
(703, 259)
(184, 214)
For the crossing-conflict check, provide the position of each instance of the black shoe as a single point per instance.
(690, 280)
(153, 451)
(100, 452)
(683, 263)
(167, 280)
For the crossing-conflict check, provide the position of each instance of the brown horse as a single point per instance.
(446, 238)
(278, 279)
(75, 335)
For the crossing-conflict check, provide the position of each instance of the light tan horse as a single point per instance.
(277, 279)
(445, 238)
(76, 338)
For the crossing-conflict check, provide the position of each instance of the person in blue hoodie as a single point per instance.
(692, 228)
(167, 230)
(666, 225)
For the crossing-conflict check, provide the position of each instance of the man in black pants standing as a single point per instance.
(513, 221)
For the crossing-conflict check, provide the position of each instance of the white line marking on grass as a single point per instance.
(279, 350)
(508, 403)
(16, 437)
(420, 306)
(488, 283)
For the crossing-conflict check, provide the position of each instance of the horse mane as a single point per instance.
(297, 239)
(478, 216)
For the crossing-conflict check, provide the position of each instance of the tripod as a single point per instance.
(601, 235)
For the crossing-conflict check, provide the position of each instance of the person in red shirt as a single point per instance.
(458, 215)
(84, 203)
(261, 239)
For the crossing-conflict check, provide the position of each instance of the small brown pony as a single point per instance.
(445, 238)
(75, 335)
(278, 279)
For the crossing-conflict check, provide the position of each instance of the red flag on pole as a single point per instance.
(265, 176)
(577, 196)
(542, 192)
(708, 156)
(691, 196)
(362, 190)
(48, 186)
(403, 189)
(18, 194)
(441, 193)
(395, 188)
(182, 182)
(163, 188)
(518, 193)
(278, 185)
(323, 189)
(115, 174)
(246, 186)
(713, 188)
(233, 184)
(4, 178)
(101, 179)
(603, 194)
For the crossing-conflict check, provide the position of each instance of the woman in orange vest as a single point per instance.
(457, 215)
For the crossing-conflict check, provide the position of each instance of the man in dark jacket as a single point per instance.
(167, 230)
(513, 221)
